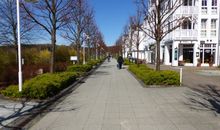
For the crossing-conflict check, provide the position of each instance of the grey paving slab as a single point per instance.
(112, 99)
(11, 110)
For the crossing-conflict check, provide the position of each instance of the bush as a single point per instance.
(42, 86)
(94, 62)
(151, 77)
(79, 68)
(12, 91)
(127, 62)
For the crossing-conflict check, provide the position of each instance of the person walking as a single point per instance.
(109, 57)
(120, 61)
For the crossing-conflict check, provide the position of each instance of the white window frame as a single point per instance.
(213, 27)
(203, 28)
(204, 9)
(214, 8)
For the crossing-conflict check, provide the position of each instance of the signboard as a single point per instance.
(73, 58)
(175, 54)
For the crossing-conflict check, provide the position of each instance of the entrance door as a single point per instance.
(188, 55)
(171, 55)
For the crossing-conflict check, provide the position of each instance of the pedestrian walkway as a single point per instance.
(112, 99)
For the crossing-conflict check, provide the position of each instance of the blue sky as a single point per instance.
(111, 16)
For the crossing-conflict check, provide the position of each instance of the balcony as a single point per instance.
(185, 34)
(187, 10)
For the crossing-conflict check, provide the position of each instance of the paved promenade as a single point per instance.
(112, 99)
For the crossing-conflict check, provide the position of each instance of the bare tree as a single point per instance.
(50, 15)
(81, 16)
(8, 25)
(92, 31)
(131, 35)
(125, 38)
(136, 25)
(160, 21)
(98, 40)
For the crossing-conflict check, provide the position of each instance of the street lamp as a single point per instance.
(19, 48)
(86, 37)
(19, 44)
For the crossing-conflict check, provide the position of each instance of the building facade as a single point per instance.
(195, 42)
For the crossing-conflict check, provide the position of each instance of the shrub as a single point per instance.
(151, 77)
(42, 86)
(79, 68)
(93, 62)
(12, 91)
(127, 62)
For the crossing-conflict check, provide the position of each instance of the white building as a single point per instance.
(130, 47)
(195, 41)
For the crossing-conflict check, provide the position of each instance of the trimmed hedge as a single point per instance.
(152, 77)
(48, 85)
(127, 62)
(79, 68)
(42, 86)
(94, 62)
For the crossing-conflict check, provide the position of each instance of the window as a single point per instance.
(203, 23)
(203, 27)
(214, 10)
(188, 2)
(187, 24)
(204, 2)
(213, 27)
(214, 2)
(203, 33)
(204, 7)
(213, 24)
(214, 6)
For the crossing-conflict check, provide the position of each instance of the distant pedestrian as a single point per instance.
(120, 61)
(109, 57)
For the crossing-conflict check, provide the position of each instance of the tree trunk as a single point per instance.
(158, 56)
(78, 51)
(138, 56)
(53, 46)
(53, 37)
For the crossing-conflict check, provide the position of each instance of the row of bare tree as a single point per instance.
(154, 19)
(70, 19)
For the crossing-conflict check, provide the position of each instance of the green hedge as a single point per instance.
(48, 85)
(151, 77)
(80, 68)
(94, 62)
(127, 62)
(42, 86)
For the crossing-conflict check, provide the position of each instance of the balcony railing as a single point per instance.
(187, 10)
(183, 34)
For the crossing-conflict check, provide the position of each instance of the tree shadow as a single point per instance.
(100, 73)
(205, 97)
(27, 111)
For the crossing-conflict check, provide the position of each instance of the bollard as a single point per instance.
(181, 76)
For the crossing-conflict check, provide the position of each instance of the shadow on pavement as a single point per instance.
(26, 112)
(206, 97)
(100, 73)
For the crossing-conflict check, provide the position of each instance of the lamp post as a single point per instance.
(86, 37)
(19, 48)
(19, 44)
